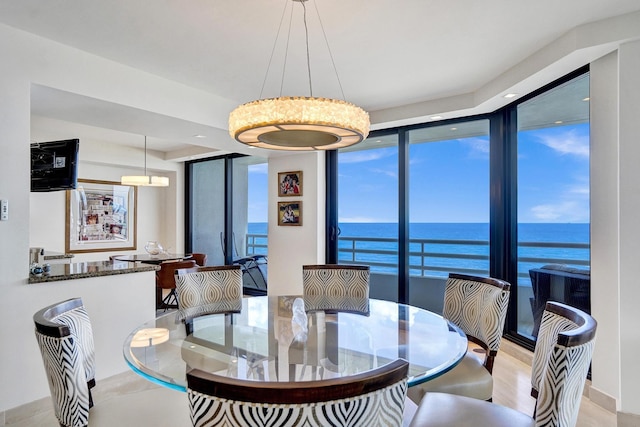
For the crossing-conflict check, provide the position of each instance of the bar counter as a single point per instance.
(81, 270)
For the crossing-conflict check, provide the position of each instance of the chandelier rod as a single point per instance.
(326, 41)
(145, 155)
(306, 39)
(273, 49)
(286, 53)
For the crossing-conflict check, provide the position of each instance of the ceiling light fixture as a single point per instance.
(145, 180)
(510, 95)
(301, 123)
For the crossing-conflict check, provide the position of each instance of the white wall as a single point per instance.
(27, 60)
(47, 214)
(615, 231)
(605, 222)
(629, 123)
(115, 304)
(291, 247)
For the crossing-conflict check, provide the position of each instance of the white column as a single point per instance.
(291, 247)
(615, 239)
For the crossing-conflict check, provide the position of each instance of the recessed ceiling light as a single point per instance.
(558, 122)
(435, 117)
(511, 95)
(454, 128)
(199, 136)
(586, 99)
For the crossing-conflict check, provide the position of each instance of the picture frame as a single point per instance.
(100, 217)
(289, 184)
(290, 213)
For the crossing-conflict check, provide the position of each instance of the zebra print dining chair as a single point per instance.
(560, 364)
(208, 290)
(374, 398)
(478, 305)
(336, 287)
(65, 337)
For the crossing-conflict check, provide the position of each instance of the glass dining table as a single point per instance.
(273, 339)
(152, 259)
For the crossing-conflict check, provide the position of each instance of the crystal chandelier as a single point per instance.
(300, 122)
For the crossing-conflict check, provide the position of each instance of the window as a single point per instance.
(553, 201)
(418, 202)
(215, 206)
(368, 211)
(448, 207)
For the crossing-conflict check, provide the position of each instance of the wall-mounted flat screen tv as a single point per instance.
(54, 165)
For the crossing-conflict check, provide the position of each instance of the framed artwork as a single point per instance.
(290, 184)
(101, 216)
(290, 213)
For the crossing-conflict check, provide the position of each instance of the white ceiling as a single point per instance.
(388, 54)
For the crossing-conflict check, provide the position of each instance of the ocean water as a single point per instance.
(460, 255)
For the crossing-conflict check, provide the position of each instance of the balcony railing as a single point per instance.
(438, 257)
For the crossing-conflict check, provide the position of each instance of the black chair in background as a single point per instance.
(558, 282)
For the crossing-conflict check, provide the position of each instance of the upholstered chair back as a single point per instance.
(336, 287)
(65, 337)
(208, 290)
(371, 399)
(560, 364)
(478, 305)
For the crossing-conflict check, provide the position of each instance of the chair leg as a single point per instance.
(170, 301)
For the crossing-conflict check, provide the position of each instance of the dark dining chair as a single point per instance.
(165, 279)
(371, 399)
(478, 305)
(208, 290)
(336, 287)
(65, 337)
(560, 364)
(200, 258)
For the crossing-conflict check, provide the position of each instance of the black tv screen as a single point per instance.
(54, 165)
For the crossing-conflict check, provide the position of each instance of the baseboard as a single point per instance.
(516, 351)
(603, 400)
(627, 420)
(28, 410)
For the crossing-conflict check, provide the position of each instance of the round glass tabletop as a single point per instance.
(270, 340)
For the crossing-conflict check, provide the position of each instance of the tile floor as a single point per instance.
(129, 400)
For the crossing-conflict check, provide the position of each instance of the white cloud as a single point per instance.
(259, 168)
(566, 211)
(477, 145)
(389, 173)
(365, 155)
(567, 143)
(359, 219)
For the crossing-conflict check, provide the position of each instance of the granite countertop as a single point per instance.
(81, 270)
(56, 255)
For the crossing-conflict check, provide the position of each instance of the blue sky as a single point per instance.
(449, 180)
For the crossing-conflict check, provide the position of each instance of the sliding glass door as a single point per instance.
(504, 194)
(553, 201)
(448, 207)
(367, 193)
(227, 207)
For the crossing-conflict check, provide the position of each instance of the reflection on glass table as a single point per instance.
(273, 339)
